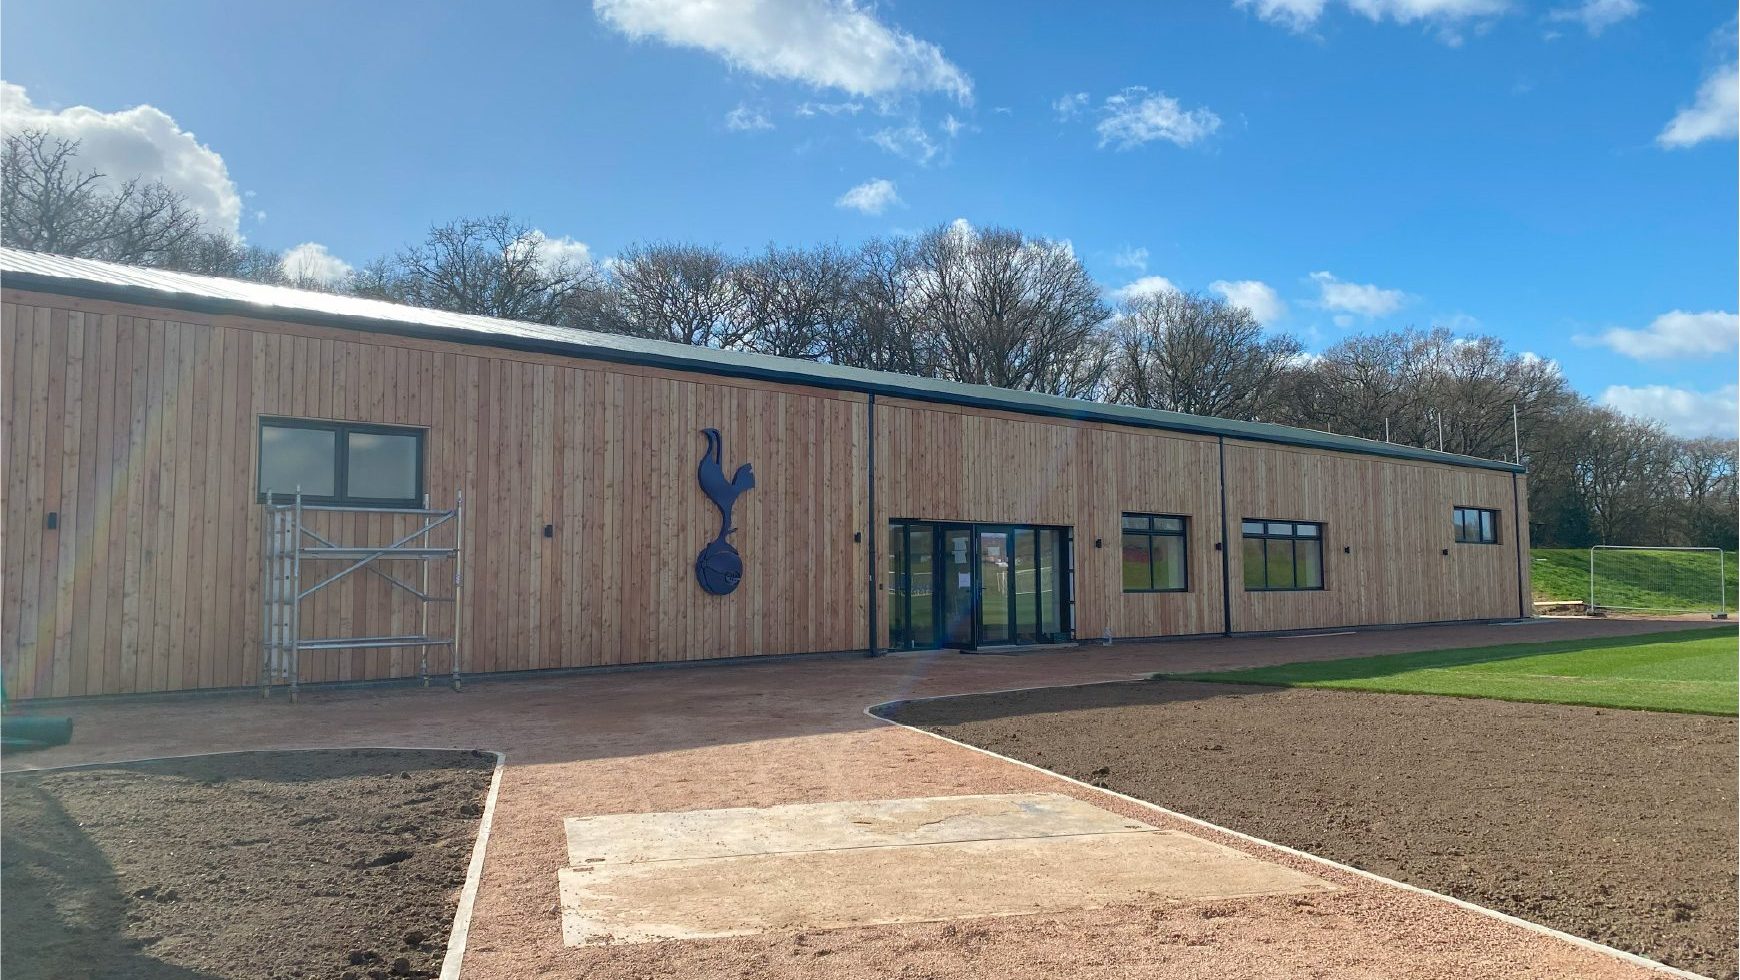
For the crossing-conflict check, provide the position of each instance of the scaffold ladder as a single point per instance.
(289, 542)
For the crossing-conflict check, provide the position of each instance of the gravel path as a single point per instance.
(792, 732)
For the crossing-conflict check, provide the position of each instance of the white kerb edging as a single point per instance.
(1536, 927)
(461, 929)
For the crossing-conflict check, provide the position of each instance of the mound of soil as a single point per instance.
(342, 863)
(1618, 826)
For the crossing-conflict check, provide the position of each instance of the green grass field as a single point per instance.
(1693, 671)
(1641, 580)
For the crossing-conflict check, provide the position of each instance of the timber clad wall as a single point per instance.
(955, 464)
(1395, 516)
(141, 434)
(137, 427)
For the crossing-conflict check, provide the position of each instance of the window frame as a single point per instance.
(1265, 536)
(1456, 525)
(342, 432)
(1150, 533)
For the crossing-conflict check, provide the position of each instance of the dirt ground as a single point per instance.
(1618, 826)
(795, 732)
(252, 865)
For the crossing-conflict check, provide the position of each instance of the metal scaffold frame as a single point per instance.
(288, 542)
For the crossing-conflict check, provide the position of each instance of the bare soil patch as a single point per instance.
(341, 863)
(1619, 826)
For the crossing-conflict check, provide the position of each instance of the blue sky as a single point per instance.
(1559, 173)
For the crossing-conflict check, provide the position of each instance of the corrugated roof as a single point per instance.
(40, 272)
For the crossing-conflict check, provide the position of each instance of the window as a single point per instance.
(1154, 553)
(1476, 526)
(342, 462)
(1281, 556)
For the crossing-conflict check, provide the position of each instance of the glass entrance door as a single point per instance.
(973, 585)
(956, 561)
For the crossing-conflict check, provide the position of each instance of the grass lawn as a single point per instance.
(1638, 580)
(1690, 671)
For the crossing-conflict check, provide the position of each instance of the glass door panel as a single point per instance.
(957, 586)
(899, 636)
(1051, 566)
(1026, 578)
(994, 592)
(921, 558)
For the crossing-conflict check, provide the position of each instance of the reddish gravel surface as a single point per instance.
(795, 732)
(253, 865)
(1618, 826)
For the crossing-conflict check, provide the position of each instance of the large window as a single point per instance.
(1282, 556)
(1475, 525)
(1155, 546)
(341, 462)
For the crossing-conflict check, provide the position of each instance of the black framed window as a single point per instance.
(1155, 552)
(348, 463)
(1476, 525)
(1282, 556)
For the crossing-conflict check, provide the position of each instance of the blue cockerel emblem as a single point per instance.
(719, 567)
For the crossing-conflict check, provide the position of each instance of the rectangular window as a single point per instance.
(341, 462)
(1155, 548)
(1282, 556)
(1475, 525)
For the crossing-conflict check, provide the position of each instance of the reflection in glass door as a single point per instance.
(994, 597)
(957, 587)
(973, 585)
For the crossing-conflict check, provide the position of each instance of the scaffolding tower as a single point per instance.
(289, 542)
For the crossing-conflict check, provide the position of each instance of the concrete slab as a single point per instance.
(633, 837)
(801, 890)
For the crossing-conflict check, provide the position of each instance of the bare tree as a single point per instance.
(880, 330)
(213, 253)
(490, 266)
(1005, 310)
(792, 302)
(1185, 352)
(669, 291)
(48, 204)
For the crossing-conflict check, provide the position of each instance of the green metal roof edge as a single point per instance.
(370, 316)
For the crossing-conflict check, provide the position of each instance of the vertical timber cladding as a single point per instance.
(1395, 516)
(943, 463)
(137, 427)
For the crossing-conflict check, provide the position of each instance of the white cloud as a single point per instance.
(1137, 115)
(311, 262)
(1675, 334)
(1447, 16)
(1145, 286)
(1295, 15)
(1681, 411)
(870, 197)
(1597, 15)
(1255, 295)
(1132, 258)
(1350, 299)
(909, 141)
(555, 254)
(743, 118)
(1712, 114)
(825, 43)
(1071, 105)
(142, 142)
(830, 108)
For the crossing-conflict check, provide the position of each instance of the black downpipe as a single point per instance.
(872, 530)
(1225, 551)
(1517, 531)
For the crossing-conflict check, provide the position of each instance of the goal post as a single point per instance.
(1640, 578)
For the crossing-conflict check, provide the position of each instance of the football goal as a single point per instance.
(1661, 580)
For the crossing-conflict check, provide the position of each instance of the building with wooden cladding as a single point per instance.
(146, 412)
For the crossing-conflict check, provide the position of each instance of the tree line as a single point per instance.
(991, 306)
